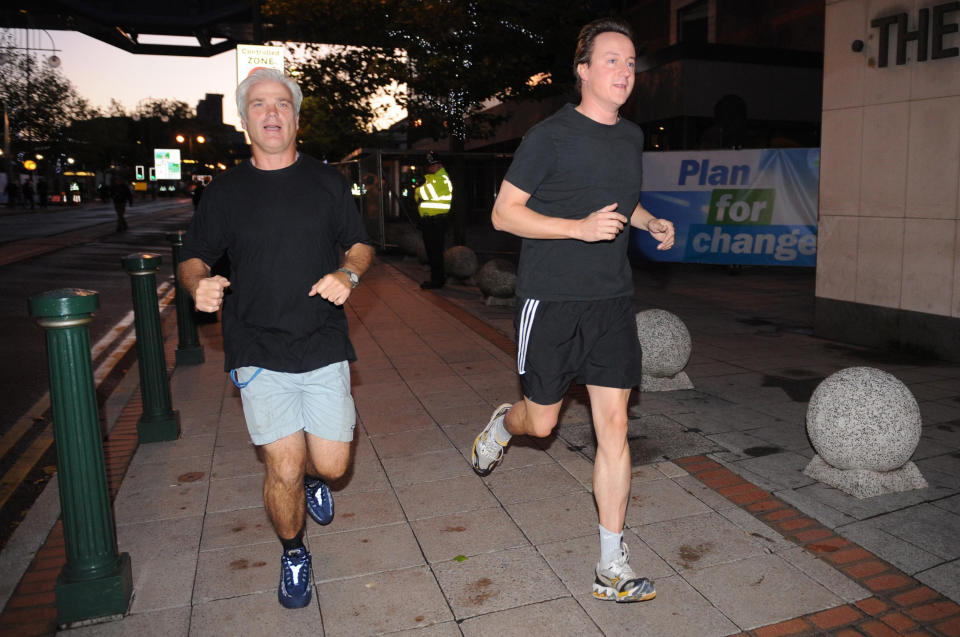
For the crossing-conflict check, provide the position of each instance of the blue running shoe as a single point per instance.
(319, 500)
(294, 590)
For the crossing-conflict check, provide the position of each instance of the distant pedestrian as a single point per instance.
(121, 195)
(42, 192)
(103, 192)
(13, 193)
(198, 189)
(435, 197)
(28, 193)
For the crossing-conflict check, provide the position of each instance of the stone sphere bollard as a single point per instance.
(864, 425)
(409, 241)
(666, 346)
(461, 262)
(497, 279)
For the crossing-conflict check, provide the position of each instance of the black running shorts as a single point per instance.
(590, 342)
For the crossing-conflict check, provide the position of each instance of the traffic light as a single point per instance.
(139, 173)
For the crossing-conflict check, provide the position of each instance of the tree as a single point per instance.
(39, 101)
(163, 109)
(450, 56)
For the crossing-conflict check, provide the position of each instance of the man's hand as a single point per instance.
(334, 287)
(208, 296)
(603, 225)
(662, 231)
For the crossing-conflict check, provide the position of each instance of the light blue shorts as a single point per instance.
(277, 404)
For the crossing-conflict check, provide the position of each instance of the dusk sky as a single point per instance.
(100, 72)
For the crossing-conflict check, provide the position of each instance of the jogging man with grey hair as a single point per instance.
(283, 218)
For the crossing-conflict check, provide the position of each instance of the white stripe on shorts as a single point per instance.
(523, 338)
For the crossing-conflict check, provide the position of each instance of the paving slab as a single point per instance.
(926, 527)
(556, 617)
(781, 470)
(904, 555)
(556, 518)
(381, 603)
(236, 528)
(257, 614)
(944, 578)
(230, 494)
(497, 581)
(411, 443)
(426, 467)
(441, 497)
(187, 499)
(237, 570)
(825, 575)
(359, 510)
(698, 541)
(164, 452)
(161, 623)
(761, 590)
(465, 534)
(531, 483)
(678, 610)
(660, 500)
(364, 552)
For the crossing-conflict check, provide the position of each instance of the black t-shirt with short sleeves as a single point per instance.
(572, 166)
(283, 230)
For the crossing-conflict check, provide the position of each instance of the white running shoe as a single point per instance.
(487, 451)
(617, 582)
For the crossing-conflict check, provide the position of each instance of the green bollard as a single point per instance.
(96, 581)
(158, 421)
(189, 350)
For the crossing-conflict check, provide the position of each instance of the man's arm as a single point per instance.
(511, 214)
(659, 229)
(336, 287)
(207, 291)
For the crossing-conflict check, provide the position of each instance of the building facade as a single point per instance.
(888, 266)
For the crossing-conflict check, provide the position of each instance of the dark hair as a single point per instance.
(587, 36)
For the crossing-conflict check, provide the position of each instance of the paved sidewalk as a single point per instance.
(721, 516)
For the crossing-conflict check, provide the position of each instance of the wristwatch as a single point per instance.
(354, 279)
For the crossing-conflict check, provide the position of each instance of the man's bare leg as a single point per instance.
(326, 459)
(283, 484)
(611, 469)
(532, 419)
(525, 417)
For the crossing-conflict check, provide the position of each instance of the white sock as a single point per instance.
(609, 545)
(500, 433)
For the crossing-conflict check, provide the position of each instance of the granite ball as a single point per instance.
(408, 240)
(461, 262)
(665, 341)
(497, 277)
(863, 418)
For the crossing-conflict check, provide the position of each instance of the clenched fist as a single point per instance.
(208, 296)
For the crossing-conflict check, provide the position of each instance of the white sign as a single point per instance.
(166, 162)
(252, 56)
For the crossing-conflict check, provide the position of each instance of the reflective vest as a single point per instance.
(436, 194)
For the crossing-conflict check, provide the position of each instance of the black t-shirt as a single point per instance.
(283, 231)
(572, 166)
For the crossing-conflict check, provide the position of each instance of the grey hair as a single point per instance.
(266, 75)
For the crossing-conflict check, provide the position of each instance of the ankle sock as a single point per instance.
(609, 545)
(293, 544)
(499, 431)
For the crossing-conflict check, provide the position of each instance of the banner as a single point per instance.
(749, 207)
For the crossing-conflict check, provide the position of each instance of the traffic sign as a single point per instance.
(252, 56)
